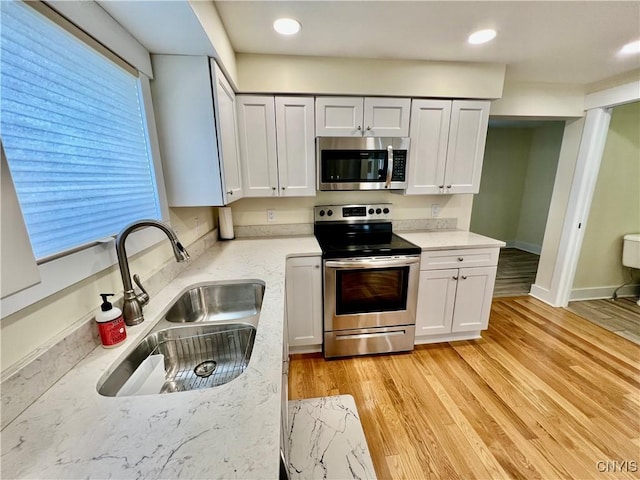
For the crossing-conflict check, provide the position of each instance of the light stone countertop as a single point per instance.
(449, 239)
(230, 431)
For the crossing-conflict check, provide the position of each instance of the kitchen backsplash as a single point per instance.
(279, 230)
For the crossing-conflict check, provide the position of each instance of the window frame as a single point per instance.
(63, 271)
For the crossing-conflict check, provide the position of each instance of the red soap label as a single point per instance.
(112, 332)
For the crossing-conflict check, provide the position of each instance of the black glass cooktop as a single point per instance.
(335, 245)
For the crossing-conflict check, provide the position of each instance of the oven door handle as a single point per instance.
(389, 166)
(373, 262)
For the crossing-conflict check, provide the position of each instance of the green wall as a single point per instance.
(615, 208)
(518, 173)
(538, 185)
(496, 208)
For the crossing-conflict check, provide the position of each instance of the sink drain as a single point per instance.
(205, 368)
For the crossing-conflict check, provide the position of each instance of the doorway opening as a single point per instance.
(518, 174)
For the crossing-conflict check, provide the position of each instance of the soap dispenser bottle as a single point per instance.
(110, 323)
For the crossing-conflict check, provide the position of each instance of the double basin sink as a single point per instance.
(205, 339)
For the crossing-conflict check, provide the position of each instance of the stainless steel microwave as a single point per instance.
(362, 163)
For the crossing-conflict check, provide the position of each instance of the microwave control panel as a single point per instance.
(398, 173)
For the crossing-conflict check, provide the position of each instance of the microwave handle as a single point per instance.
(389, 166)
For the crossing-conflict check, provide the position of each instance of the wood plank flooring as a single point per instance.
(516, 272)
(544, 394)
(621, 316)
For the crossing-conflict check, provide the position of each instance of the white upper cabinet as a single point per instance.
(358, 116)
(257, 134)
(227, 129)
(296, 146)
(193, 141)
(276, 145)
(447, 146)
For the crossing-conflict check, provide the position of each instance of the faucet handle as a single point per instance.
(142, 298)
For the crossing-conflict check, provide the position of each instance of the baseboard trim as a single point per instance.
(447, 337)
(596, 293)
(543, 294)
(528, 247)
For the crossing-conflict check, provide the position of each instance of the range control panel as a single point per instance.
(350, 213)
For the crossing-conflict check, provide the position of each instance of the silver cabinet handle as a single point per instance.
(454, 278)
(460, 259)
(359, 128)
(229, 192)
(448, 186)
(440, 186)
(283, 188)
(464, 277)
(368, 128)
(273, 188)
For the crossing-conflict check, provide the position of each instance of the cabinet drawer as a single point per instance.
(468, 257)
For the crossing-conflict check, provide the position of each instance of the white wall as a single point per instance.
(557, 209)
(253, 211)
(358, 76)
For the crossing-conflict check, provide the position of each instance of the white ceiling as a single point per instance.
(572, 42)
(557, 41)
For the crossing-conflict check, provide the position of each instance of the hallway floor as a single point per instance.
(516, 272)
(621, 316)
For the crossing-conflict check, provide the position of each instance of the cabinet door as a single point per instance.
(386, 117)
(430, 121)
(257, 136)
(436, 299)
(296, 146)
(473, 298)
(339, 116)
(304, 300)
(184, 112)
(227, 128)
(465, 152)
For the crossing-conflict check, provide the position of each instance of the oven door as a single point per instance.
(370, 292)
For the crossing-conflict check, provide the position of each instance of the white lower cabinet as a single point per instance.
(304, 303)
(452, 301)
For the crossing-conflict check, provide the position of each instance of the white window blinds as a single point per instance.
(74, 133)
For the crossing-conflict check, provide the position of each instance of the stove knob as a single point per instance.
(385, 210)
(371, 210)
(378, 211)
(329, 212)
(322, 213)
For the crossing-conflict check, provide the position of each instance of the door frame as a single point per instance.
(598, 106)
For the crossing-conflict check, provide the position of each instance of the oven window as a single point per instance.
(371, 290)
(353, 166)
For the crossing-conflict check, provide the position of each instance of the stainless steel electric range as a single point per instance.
(370, 281)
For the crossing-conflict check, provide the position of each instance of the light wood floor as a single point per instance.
(516, 272)
(621, 316)
(543, 395)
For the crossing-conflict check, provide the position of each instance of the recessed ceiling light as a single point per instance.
(630, 48)
(482, 36)
(286, 26)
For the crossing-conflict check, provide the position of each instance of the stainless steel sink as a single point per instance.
(197, 356)
(218, 301)
(206, 354)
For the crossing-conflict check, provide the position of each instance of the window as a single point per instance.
(74, 133)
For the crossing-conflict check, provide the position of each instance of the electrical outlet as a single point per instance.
(435, 210)
(196, 220)
(271, 216)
